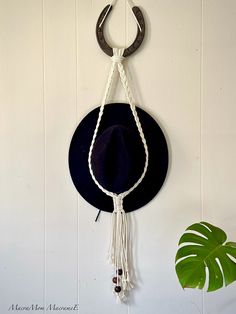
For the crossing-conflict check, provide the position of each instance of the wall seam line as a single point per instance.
(76, 121)
(45, 154)
(201, 132)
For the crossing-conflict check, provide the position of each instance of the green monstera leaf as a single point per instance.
(203, 246)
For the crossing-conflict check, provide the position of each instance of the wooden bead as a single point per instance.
(117, 289)
(115, 280)
(120, 272)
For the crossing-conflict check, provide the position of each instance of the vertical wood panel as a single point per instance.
(60, 117)
(22, 154)
(219, 131)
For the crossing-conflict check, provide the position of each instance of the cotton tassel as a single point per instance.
(119, 250)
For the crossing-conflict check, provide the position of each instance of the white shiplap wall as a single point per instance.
(51, 74)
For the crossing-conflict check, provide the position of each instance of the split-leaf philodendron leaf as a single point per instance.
(204, 246)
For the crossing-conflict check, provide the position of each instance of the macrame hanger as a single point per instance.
(119, 249)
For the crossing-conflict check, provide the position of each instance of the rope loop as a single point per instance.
(117, 60)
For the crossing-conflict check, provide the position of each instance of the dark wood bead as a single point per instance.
(120, 272)
(115, 279)
(117, 289)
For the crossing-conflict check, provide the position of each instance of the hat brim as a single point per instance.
(118, 114)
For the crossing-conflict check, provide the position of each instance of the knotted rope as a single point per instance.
(119, 243)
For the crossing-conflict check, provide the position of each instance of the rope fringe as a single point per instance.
(118, 254)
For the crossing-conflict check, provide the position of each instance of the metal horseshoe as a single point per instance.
(101, 38)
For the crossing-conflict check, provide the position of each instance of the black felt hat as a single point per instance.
(118, 157)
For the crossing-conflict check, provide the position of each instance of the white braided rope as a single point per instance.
(104, 100)
(138, 124)
(117, 62)
(119, 242)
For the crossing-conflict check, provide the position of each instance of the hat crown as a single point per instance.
(118, 158)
